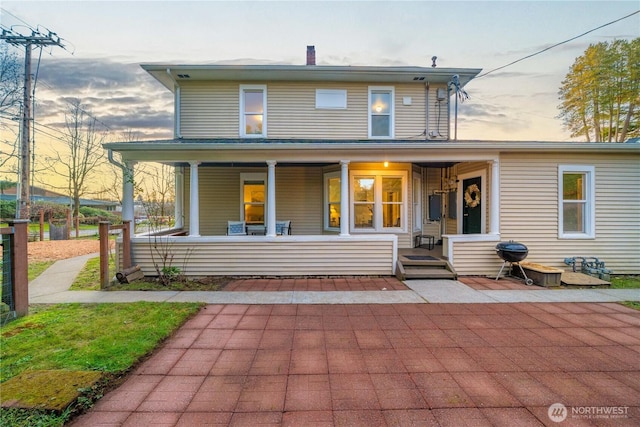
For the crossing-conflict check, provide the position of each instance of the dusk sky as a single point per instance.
(106, 41)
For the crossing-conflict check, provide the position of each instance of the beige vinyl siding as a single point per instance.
(410, 119)
(438, 114)
(298, 197)
(476, 258)
(284, 255)
(211, 110)
(529, 209)
(292, 112)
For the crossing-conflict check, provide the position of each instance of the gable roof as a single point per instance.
(172, 74)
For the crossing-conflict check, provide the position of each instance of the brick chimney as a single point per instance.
(311, 55)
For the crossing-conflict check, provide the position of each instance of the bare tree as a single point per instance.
(82, 155)
(162, 191)
(10, 80)
(10, 101)
(112, 189)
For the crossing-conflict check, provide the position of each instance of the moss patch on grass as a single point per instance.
(48, 390)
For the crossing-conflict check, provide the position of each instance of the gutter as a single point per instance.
(176, 102)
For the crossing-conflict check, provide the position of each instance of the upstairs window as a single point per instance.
(253, 111)
(576, 196)
(331, 99)
(381, 112)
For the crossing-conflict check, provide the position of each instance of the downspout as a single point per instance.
(427, 135)
(127, 187)
(176, 102)
(448, 111)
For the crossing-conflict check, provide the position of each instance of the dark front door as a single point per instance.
(472, 206)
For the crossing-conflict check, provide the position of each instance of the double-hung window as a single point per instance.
(576, 197)
(253, 111)
(252, 196)
(379, 201)
(381, 112)
(332, 201)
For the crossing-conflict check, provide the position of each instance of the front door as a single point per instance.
(472, 206)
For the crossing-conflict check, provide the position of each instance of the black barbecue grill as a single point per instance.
(512, 252)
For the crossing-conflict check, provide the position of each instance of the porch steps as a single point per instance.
(407, 269)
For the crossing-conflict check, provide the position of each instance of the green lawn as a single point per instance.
(36, 268)
(89, 277)
(110, 338)
(625, 282)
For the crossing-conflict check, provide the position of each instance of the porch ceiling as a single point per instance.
(422, 152)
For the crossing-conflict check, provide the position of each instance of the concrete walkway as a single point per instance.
(52, 286)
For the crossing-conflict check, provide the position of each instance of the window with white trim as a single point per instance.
(379, 201)
(252, 186)
(253, 111)
(331, 99)
(332, 201)
(417, 202)
(576, 199)
(381, 112)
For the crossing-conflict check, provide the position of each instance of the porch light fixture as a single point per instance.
(386, 164)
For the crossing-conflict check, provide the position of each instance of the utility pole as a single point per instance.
(23, 210)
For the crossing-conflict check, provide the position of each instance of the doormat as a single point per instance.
(421, 257)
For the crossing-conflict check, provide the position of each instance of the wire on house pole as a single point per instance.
(23, 210)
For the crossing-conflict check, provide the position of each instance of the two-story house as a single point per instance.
(354, 162)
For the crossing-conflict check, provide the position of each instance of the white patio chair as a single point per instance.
(283, 228)
(236, 228)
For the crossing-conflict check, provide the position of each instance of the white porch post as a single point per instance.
(194, 202)
(344, 198)
(179, 200)
(127, 192)
(271, 198)
(494, 218)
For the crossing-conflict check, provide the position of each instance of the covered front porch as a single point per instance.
(305, 184)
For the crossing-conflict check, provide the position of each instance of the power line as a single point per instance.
(557, 44)
(28, 41)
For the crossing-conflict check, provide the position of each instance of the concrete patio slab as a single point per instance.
(388, 364)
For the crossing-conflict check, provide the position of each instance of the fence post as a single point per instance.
(103, 233)
(19, 266)
(69, 224)
(126, 244)
(42, 225)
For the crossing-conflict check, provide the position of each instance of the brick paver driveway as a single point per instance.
(377, 365)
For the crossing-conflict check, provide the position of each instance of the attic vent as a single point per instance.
(184, 76)
(418, 78)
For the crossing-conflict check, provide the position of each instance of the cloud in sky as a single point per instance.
(120, 96)
(110, 39)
